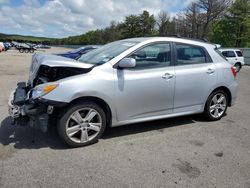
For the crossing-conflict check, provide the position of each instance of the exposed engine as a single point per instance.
(50, 74)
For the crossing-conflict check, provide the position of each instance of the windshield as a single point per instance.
(76, 50)
(106, 53)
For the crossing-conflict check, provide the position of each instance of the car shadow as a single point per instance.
(157, 125)
(27, 138)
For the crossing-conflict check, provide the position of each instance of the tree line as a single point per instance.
(226, 22)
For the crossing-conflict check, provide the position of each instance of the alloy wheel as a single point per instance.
(218, 105)
(83, 125)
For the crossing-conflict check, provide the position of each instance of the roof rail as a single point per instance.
(194, 39)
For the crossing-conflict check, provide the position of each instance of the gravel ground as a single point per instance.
(178, 152)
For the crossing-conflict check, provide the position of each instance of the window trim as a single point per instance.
(208, 58)
(172, 63)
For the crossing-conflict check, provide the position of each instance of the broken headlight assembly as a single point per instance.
(43, 89)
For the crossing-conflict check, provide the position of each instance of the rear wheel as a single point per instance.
(31, 50)
(81, 124)
(26, 50)
(237, 67)
(21, 50)
(216, 105)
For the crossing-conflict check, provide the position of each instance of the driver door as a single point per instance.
(146, 90)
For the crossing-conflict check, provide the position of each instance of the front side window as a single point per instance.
(152, 56)
(189, 54)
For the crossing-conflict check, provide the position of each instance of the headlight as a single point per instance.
(43, 89)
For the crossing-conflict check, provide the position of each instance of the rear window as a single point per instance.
(239, 54)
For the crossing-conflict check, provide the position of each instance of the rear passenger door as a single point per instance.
(195, 76)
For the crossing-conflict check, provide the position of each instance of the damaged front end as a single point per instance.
(27, 106)
(25, 109)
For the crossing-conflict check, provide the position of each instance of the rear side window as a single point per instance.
(239, 54)
(228, 53)
(189, 54)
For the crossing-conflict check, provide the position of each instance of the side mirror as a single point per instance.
(127, 63)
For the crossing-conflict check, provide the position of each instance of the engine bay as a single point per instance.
(49, 74)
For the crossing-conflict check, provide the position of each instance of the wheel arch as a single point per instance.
(227, 91)
(102, 103)
(239, 63)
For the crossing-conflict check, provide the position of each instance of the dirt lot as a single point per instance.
(178, 152)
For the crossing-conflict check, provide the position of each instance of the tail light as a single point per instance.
(233, 69)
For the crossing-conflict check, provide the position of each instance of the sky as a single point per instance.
(63, 18)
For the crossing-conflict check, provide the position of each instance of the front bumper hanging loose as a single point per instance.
(26, 111)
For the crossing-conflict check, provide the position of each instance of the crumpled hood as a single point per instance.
(53, 61)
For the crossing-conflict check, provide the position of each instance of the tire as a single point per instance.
(21, 50)
(212, 105)
(237, 67)
(75, 130)
(31, 50)
(26, 50)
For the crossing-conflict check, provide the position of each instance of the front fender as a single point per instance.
(97, 83)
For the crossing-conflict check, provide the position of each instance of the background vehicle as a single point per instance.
(6, 46)
(127, 81)
(24, 47)
(42, 46)
(1, 46)
(74, 54)
(234, 57)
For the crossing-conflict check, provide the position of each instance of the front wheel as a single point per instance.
(81, 124)
(216, 105)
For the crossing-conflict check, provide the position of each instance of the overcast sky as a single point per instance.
(62, 18)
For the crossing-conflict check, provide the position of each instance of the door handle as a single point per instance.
(210, 71)
(167, 76)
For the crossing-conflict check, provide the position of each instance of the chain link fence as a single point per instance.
(246, 54)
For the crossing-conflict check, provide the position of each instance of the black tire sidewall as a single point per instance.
(21, 50)
(63, 117)
(237, 65)
(207, 106)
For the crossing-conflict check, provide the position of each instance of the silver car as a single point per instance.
(124, 82)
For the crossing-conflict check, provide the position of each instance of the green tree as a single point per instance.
(163, 23)
(138, 25)
(234, 29)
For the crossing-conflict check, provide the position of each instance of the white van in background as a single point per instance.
(234, 57)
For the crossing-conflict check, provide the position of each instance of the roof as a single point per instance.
(170, 39)
(229, 49)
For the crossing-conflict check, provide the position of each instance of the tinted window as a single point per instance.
(153, 56)
(239, 53)
(188, 54)
(228, 53)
